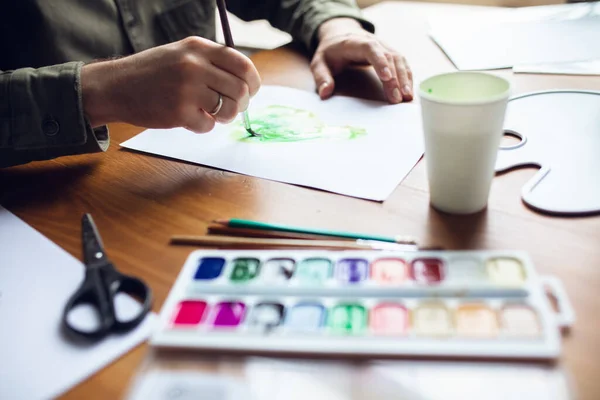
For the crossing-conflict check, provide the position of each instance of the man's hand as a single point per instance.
(174, 85)
(343, 42)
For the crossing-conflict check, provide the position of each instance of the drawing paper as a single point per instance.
(368, 164)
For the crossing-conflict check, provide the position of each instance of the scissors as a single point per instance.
(101, 284)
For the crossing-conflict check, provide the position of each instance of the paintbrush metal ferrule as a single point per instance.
(247, 124)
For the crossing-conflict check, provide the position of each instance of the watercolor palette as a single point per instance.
(483, 304)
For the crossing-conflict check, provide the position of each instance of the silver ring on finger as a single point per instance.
(218, 106)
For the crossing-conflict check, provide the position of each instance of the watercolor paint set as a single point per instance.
(457, 304)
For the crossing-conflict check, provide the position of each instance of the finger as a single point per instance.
(229, 111)
(376, 55)
(199, 121)
(236, 97)
(404, 75)
(236, 63)
(209, 101)
(227, 84)
(323, 77)
(391, 87)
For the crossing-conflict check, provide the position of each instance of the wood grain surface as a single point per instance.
(139, 201)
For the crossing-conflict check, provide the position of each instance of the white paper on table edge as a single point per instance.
(577, 68)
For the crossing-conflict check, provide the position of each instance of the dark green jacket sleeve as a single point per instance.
(41, 115)
(299, 18)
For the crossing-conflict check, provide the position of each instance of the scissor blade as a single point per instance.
(93, 249)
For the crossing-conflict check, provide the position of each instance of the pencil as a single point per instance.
(262, 243)
(248, 224)
(259, 233)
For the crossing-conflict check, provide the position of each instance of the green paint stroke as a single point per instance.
(288, 124)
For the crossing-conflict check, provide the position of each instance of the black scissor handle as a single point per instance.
(94, 292)
(137, 289)
(99, 289)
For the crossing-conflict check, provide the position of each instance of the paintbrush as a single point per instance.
(229, 43)
(263, 226)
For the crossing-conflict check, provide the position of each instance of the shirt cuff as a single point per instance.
(47, 110)
(44, 118)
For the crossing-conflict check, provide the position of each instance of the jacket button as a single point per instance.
(50, 127)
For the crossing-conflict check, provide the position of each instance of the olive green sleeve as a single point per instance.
(41, 115)
(299, 18)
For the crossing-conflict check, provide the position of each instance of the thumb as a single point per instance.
(323, 77)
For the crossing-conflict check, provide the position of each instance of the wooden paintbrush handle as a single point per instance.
(225, 23)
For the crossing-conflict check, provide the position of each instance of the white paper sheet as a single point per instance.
(182, 385)
(369, 167)
(503, 38)
(449, 380)
(259, 35)
(36, 279)
(575, 68)
(258, 378)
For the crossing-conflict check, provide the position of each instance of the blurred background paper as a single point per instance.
(253, 35)
(502, 38)
(187, 385)
(575, 68)
(194, 376)
(472, 381)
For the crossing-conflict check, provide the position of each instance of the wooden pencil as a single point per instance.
(247, 232)
(263, 243)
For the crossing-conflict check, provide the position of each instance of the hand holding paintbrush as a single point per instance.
(229, 42)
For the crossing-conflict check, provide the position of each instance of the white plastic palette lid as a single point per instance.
(266, 379)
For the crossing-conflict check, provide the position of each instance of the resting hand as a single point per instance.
(174, 85)
(343, 42)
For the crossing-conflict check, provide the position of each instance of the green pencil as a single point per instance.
(248, 224)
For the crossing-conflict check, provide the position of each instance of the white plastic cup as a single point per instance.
(463, 116)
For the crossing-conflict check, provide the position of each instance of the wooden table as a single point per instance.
(138, 201)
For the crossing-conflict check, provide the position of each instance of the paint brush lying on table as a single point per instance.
(256, 226)
(238, 233)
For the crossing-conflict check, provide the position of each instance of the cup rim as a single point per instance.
(502, 96)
